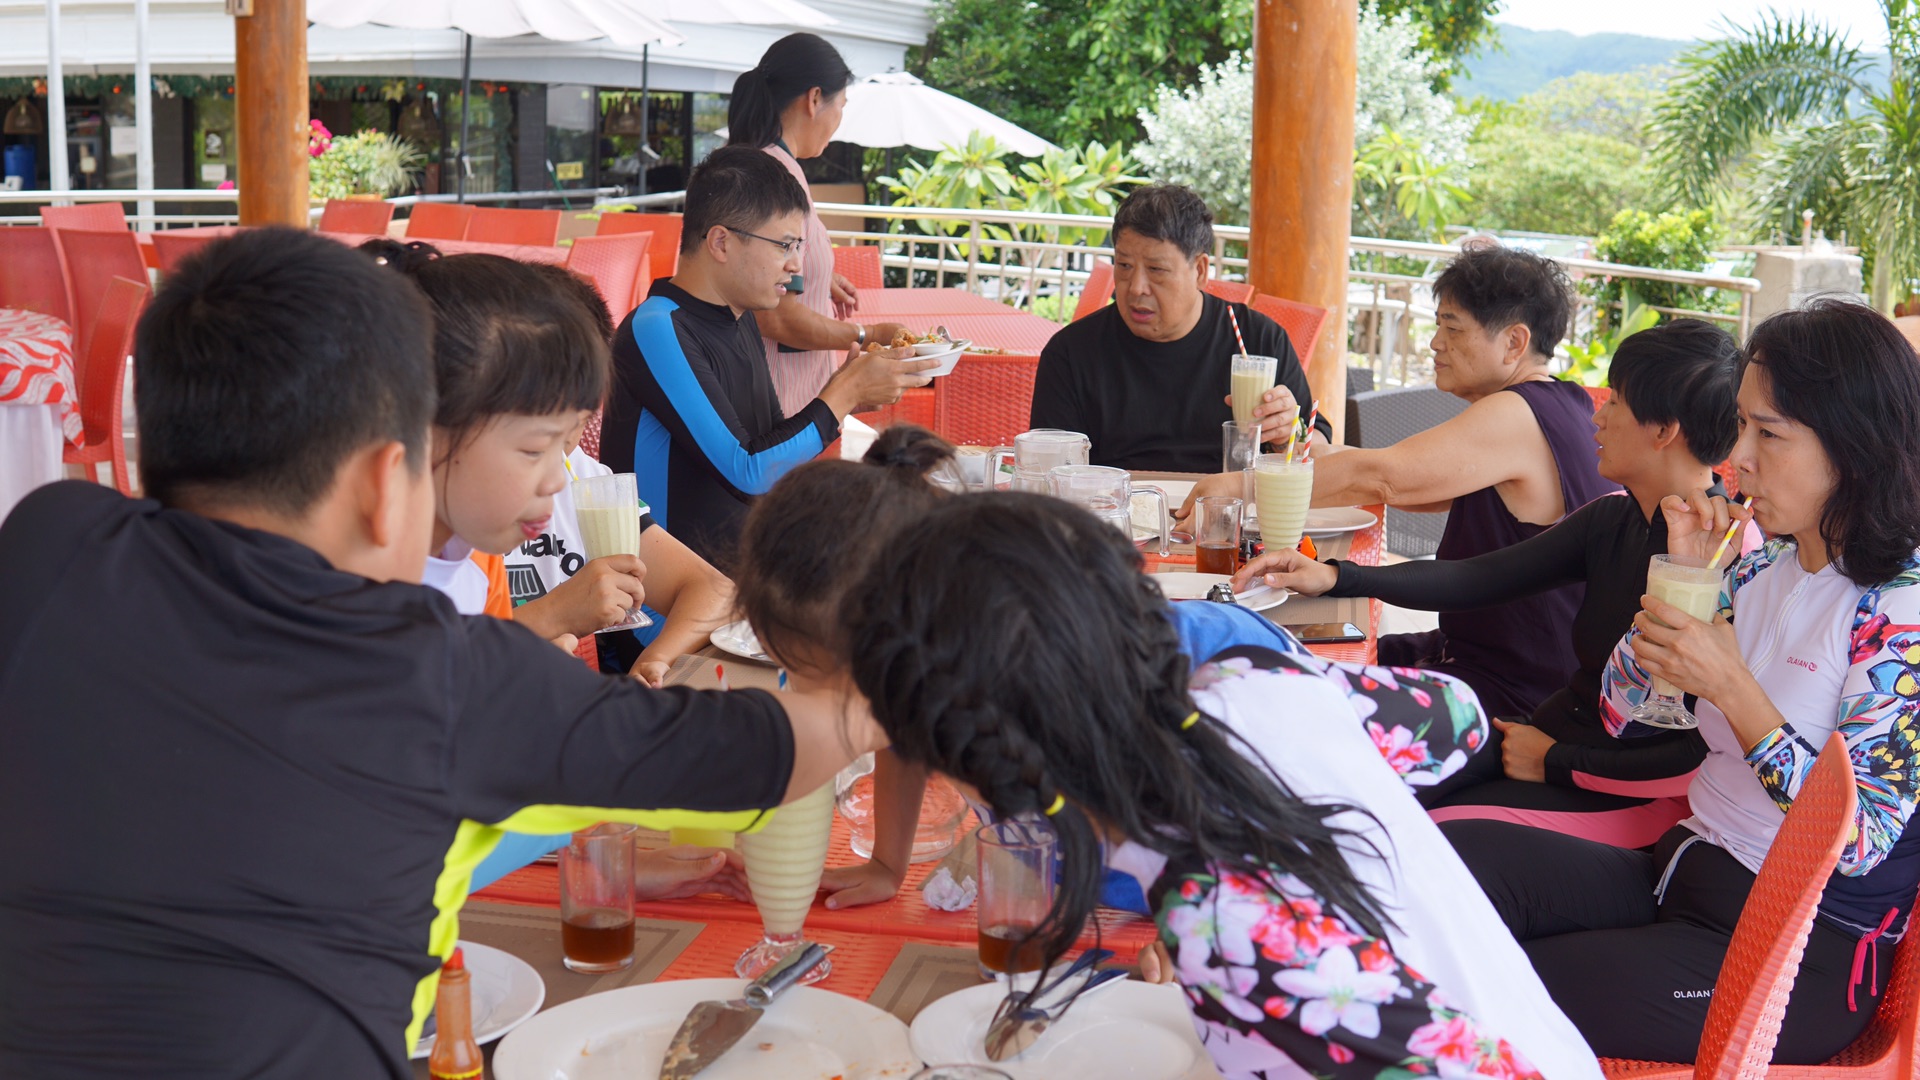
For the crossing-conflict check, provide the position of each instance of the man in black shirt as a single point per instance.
(693, 413)
(239, 847)
(1146, 377)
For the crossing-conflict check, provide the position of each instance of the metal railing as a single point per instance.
(228, 198)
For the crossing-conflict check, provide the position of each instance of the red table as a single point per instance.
(523, 252)
(909, 305)
(1015, 332)
(39, 402)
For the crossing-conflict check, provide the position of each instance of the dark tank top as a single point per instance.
(1524, 648)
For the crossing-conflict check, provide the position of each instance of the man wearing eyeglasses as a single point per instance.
(693, 413)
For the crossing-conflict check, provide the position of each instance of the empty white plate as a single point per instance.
(1132, 1031)
(1187, 585)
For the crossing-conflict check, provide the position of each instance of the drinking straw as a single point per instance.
(1232, 318)
(720, 672)
(783, 678)
(1728, 539)
(1306, 452)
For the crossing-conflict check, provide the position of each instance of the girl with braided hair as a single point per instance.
(1317, 920)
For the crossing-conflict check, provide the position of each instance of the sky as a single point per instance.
(1688, 20)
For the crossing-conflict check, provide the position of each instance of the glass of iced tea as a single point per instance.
(1016, 892)
(1216, 534)
(596, 899)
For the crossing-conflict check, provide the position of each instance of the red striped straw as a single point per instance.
(1232, 318)
(720, 672)
(1306, 452)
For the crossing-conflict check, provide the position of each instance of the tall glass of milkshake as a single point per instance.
(1251, 378)
(1691, 584)
(1282, 491)
(608, 509)
(784, 863)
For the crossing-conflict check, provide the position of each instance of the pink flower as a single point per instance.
(1190, 890)
(1341, 1055)
(1453, 1039)
(1374, 956)
(1399, 747)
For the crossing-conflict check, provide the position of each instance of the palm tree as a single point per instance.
(1790, 111)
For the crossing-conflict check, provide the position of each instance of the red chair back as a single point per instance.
(1233, 292)
(92, 260)
(1890, 1047)
(621, 267)
(174, 250)
(1098, 290)
(101, 216)
(499, 225)
(1303, 323)
(102, 378)
(370, 216)
(31, 278)
(860, 265)
(986, 400)
(438, 221)
(666, 239)
(1599, 394)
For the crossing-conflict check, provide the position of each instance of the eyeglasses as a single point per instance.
(787, 247)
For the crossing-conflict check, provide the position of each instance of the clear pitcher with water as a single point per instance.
(1032, 454)
(1109, 494)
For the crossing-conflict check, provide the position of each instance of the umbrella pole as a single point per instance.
(466, 112)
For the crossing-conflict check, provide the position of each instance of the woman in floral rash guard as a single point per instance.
(1317, 920)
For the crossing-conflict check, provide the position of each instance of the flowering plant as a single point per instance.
(318, 138)
(368, 163)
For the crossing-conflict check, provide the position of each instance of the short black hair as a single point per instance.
(267, 360)
(737, 187)
(1847, 374)
(1173, 213)
(1685, 372)
(1501, 286)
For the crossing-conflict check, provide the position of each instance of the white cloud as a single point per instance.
(1688, 20)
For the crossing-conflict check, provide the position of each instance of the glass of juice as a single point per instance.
(1282, 492)
(1016, 892)
(784, 863)
(1693, 585)
(596, 899)
(1216, 534)
(1252, 377)
(608, 509)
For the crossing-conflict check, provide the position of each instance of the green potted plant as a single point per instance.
(371, 164)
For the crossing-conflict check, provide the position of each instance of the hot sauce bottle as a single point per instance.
(455, 1056)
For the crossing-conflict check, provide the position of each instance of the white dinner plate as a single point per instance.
(1133, 1031)
(807, 1034)
(1338, 521)
(1187, 585)
(737, 638)
(505, 991)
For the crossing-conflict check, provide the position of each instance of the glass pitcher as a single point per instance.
(1033, 453)
(1109, 493)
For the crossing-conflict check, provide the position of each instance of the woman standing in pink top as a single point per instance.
(789, 105)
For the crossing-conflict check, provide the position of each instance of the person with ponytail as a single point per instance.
(1316, 919)
(789, 105)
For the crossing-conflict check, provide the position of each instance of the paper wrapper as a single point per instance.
(951, 886)
(855, 437)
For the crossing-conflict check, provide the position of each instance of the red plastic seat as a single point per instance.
(499, 225)
(176, 249)
(1600, 395)
(666, 240)
(1750, 996)
(438, 221)
(860, 265)
(92, 259)
(1890, 1047)
(1303, 323)
(31, 277)
(102, 379)
(1233, 292)
(619, 266)
(96, 216)
(986, 401)
(1097, 292)
(370, 216)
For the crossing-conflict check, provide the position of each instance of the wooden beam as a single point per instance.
(1303, 99)
(270, 112)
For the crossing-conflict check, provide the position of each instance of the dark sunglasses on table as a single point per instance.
(787, 247)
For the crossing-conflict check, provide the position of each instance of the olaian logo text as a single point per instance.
(1810, 665)
(1685, 994)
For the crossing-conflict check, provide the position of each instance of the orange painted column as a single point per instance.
(1303, 98)
(270, 112)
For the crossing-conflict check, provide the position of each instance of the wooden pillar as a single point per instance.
(1303, 98)
(270, 112)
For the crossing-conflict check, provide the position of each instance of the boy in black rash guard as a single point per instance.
(239, 850)
(1669, 421)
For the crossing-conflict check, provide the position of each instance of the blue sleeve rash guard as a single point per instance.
(694, 416)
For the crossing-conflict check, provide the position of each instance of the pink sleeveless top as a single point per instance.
(798, 376)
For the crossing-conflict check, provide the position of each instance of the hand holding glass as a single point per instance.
(608, 508)
(1691, 584)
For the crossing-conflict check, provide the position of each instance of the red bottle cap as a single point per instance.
(456, 962)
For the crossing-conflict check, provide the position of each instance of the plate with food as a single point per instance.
(738, 638)
(806, 1034)
(1129, 1029)
(505, 991)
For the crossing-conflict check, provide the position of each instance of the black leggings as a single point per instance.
(1635, 976)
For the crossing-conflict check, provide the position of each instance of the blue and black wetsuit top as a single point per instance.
(694, 416)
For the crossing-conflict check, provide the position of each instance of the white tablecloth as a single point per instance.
(29, 451)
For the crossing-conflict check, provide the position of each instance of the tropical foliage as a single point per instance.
(977, 176)
(369, 163)
(1567, 157)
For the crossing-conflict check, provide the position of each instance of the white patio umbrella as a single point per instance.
(896, 109)
(738, 12)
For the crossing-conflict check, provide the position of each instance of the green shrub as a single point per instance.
(1674, 240)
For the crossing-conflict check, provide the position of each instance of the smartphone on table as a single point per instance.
(1326, 633)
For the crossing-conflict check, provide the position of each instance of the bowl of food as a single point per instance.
(932, 348)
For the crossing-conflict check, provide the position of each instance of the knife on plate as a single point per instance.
(713, 1027)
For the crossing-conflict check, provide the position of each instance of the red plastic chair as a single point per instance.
(31, 276)
(92, 260)
(96, 216)
(174, 250)
(860, 265)
(102, 378)
(438, 221)
(368, 216)
(1233, 292)
(666, 240)
(1304, 323)
(619, 266)
(1890, 1047)
(986, 400)
(1750, 996)
(1600, 395)
(498, 225)
(1098, 291)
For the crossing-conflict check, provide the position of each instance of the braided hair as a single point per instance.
(1011, 642)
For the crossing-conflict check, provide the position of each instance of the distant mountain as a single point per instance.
(1525, 60)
